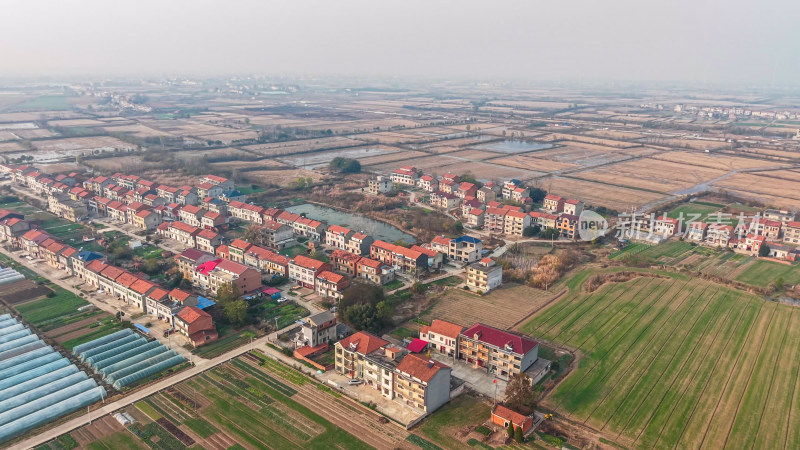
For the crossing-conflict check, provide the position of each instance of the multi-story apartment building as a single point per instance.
(345, 262)
(495, 220)
(410, 379)
(428, 183)
(498, 352)
(791, 232)
(359, 244)
(484, 275)
(314, 230)
(146, 220)
(208, 241)
(331, 285)
(573, 206)
(212, 274)
(304, 270)
(475, 217)
(422, 383)
(337, 236)
(567, 225)
(318, 329)
(374, 271)
(379, 185)
(405, 175)
(516, 222)
(72, 210)
(553, 203)
(442, 336)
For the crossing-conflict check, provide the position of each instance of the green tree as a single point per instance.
(235, 311)
(510, 430)
(227, 293)
(518, 435)
(778, 284)
(417, 288)
(151, 266)
(763, 250)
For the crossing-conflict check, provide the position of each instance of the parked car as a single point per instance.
(354, 381)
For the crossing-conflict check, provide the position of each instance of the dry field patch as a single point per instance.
(614, 197)
(388, 137)
(588, 155)
(501, 308)
(593, 140)
(722, 162)
(694, 144)
(82, 143)
(279, 177)
(6, 147)
(401, 156)
(137, 130)
(227, 138)
(614, 135)
(532, 163)
(778, 192)
(299, 146)
(38, 133)
(664, 176)
(75, 123)
(322, 158)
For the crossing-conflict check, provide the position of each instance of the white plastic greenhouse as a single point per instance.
(125, 358)
(37, 384)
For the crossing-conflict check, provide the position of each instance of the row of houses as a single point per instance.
(776, 229)
(176, 307)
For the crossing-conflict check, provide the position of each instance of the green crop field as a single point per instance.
(692, 211)
(671, 363)
(762, 273)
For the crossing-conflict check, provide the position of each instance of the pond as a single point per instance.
(375, 228)
(513, 146)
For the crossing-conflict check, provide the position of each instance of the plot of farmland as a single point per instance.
(722, 162)
(320, 159)
(592, 193)
(678, 363)
(654, 175)
(781, 192)
(304, 145)
(500, 309)
(588, 155)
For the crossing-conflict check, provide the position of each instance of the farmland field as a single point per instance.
(467, 308)
(667, 362)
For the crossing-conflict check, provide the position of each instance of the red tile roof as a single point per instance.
(498, 338)
(308, 263)
(192, 314)
(363, 342)
(179, 294)
(444, 328)
(509, 414)
(420, 368)
(330, 276)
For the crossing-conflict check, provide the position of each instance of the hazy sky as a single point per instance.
(739, 41)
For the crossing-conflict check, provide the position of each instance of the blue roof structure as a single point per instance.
(467, 239)
(87, 256)
(204, 303)
(233, 193)
(142, 328)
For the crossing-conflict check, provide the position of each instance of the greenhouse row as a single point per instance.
(124, 357)
(37, 384)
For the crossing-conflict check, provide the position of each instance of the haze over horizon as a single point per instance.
(689, 41)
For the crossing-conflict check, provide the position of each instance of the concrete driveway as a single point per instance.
(477, 379)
